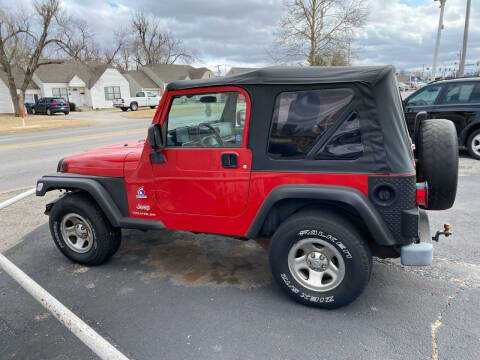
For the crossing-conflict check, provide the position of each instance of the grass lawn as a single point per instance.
(140, 114)
(10, 124)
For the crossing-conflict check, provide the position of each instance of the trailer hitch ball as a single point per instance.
(446, 232)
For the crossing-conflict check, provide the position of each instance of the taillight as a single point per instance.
(68, 104)
(123, 101)
(53, 104)
(422, 194)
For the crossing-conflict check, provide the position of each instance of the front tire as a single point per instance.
(320, 259)
(34, 112)
(152, 107)
(81, 231)
(473, 144)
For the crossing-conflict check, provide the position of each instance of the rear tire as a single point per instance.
(473, 144)
(343, 259)
(437, 150)
(81, 231)
(134, 106)
(152, 107)
(34, 112)
(124, 108)
(49, 112)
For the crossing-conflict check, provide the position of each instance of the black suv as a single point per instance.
(457, 100)
(51, 105)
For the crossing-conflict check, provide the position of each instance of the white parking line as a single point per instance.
(72, 322)
(16, 198)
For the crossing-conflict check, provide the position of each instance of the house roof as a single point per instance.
(141, 79)
(239, 70)
(18, 76)
(64, 72)
(172, 72)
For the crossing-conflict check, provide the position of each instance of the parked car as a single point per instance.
(321, 164)
(402, 86)
(141, 99)
(457, 100)
(50, 106)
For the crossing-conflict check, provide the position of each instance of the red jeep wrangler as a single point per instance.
(317, 159)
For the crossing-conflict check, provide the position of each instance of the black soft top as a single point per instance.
(387, 146)
(293, 75)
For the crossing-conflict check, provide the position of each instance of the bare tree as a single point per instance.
(151, 45)
(318, 32)
(79, 44)
(22, 47)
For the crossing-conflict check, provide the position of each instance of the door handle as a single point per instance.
(230, 161)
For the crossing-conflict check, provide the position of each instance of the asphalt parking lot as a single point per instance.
(176, 295)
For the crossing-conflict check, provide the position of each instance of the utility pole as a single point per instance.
(439, 33)
(461, 69)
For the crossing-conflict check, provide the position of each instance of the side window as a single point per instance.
(346, 142)
(140, 94)
(458, 93)
(210, 120)
(475, 98)
(149, 94)
(300, 118)
(426, 96)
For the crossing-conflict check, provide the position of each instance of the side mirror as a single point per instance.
(155, 138)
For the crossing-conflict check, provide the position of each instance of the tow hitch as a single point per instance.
(446, 231)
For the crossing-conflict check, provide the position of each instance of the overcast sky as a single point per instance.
(238, 32)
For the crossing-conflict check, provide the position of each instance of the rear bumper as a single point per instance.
(419, 254)
(58, 109)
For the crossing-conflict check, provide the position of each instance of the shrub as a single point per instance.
(72, 106)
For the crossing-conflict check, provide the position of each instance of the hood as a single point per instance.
(104, 160)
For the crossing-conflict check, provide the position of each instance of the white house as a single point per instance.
(94, 85)
(32, 93)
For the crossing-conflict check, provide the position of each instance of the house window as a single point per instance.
(112, 92)
(60, 92)
(29, 98)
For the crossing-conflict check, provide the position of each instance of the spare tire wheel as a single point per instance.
(437, 151)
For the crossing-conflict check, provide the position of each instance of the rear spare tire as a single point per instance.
(437, 151)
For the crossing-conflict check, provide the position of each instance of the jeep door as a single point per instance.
(422, 100)
(207, 167)
(460, 103)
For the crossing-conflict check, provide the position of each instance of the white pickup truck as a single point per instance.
(141, 99)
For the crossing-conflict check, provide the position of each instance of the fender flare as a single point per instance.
(349, 196)
(91, 184)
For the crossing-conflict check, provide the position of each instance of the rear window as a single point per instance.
(301, 117)
(58, 100)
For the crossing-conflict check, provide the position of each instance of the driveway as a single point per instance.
(177, 295)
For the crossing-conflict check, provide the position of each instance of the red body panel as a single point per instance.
(103, 161)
